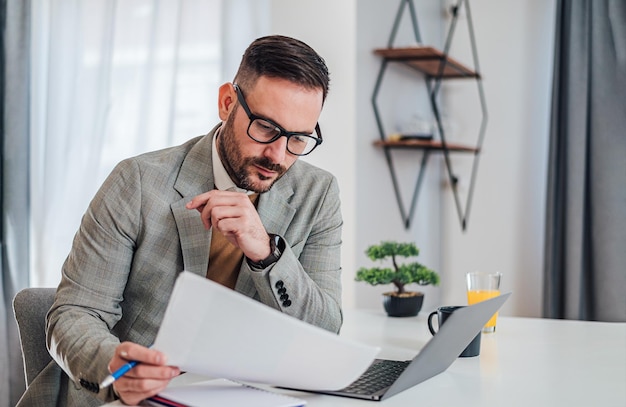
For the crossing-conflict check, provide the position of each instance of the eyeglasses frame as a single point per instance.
(282, 132)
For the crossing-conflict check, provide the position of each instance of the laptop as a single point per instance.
(385, 378)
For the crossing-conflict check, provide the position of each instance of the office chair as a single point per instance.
(30, 306)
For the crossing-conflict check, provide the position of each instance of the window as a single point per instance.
(112, 80)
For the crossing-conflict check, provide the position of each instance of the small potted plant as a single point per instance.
(398, 303)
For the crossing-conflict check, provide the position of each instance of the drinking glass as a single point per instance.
(481, 287)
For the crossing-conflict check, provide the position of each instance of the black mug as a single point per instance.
(473, 349)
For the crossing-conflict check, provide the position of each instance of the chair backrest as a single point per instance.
(30, 306)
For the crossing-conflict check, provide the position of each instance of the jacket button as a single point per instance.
(92, 387)
(284, 297)
(282, 290)
(279, 284)
(287, 303)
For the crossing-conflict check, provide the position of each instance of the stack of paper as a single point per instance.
(220, 393)
(211, 330)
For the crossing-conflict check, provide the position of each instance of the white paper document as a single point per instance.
(211, 330)
(222, 392)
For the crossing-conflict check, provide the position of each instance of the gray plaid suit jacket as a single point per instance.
(137, 235)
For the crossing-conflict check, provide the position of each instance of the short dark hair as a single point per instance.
(278, 56)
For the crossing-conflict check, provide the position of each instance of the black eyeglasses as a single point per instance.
(265, 131)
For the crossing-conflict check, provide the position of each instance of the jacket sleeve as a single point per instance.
(306, 281)
(87, 303)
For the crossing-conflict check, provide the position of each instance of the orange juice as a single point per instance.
(474, 296)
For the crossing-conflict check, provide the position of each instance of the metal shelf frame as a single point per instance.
(433, 81)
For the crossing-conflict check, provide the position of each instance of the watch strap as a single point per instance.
(277, 246)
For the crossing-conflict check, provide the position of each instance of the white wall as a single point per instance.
(505, 230)
(506, 225)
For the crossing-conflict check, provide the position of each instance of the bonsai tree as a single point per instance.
(401, 274)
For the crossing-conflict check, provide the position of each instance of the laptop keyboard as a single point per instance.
(381, 374)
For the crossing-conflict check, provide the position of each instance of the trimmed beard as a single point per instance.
(240, 168)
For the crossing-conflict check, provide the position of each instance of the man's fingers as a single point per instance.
(145, 371)
(208, 202)
(128, 351)
(133, 391)
(215, 198)
(147, 378)
(133, 351)
(198, 201)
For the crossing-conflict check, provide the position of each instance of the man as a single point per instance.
(235, 205)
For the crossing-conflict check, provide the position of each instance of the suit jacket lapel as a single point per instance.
(194, 178)
(274, 208)
(194, 239)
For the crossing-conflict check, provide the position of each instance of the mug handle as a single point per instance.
(430, 322)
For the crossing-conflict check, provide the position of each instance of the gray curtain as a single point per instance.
(14, 117)
(585, 256)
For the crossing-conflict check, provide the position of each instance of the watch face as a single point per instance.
(279, 243)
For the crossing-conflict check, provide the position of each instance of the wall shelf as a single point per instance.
(435, 66)
(426, 145)
(428, 60)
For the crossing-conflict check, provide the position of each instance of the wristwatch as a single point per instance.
(277, 247)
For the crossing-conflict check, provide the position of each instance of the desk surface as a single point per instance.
(526, 362)
(537, 362)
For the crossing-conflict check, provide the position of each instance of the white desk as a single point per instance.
(527, 362)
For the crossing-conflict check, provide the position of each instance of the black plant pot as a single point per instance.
(405, 305)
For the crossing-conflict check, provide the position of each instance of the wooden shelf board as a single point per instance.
(428, 60)
(426, 145)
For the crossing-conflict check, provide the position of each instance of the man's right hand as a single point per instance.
(148, 378)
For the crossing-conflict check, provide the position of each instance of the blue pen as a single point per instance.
(117, 374)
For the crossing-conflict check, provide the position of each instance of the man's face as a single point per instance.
(252, 165)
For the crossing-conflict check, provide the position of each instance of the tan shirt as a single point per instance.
(224, 258)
